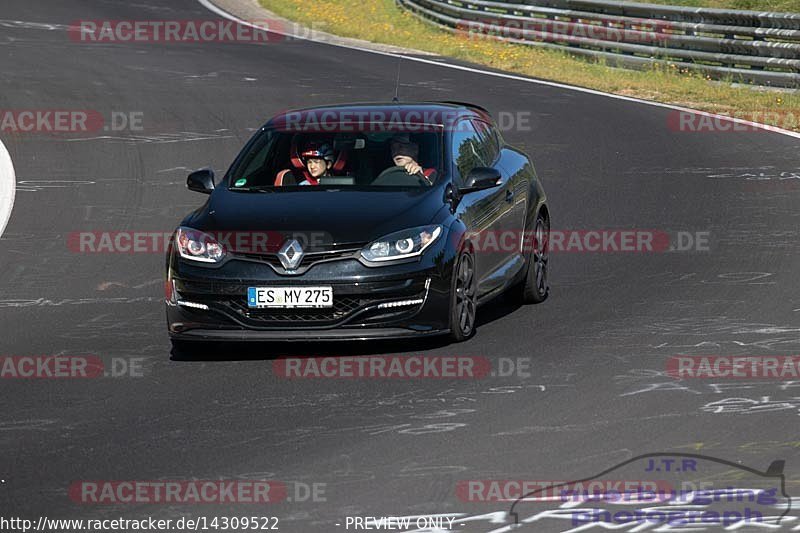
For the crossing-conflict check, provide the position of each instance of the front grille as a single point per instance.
(309, 260)
(342, 306)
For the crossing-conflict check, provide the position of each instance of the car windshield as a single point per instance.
(366, 158)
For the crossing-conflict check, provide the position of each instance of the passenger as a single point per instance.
(318, 160)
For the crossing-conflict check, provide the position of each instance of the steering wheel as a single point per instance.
(399, 177)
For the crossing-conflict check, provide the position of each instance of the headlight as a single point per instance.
(195, 245)
(402, 245)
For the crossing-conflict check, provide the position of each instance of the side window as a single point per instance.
(489, 143)
(466, 151)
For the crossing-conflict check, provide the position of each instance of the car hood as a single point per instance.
(335, 216)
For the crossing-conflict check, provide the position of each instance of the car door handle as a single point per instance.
(509, 195)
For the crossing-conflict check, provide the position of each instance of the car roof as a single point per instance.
(412, 113)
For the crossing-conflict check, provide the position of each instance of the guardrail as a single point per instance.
(744, 46)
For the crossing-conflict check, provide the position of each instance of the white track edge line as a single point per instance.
(8, 187)
(773, 129)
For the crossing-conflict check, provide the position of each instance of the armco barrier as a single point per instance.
(744, 46)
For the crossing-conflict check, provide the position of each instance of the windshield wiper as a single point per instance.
(258, 188)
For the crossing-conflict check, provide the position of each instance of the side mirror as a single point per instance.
(480, 178)
(201, 181)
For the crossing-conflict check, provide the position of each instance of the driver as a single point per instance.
(405, 153)
(318, 160)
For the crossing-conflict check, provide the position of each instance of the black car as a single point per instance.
(369, 250)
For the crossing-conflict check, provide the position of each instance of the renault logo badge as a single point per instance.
(290, 254)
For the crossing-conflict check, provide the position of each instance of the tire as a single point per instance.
(534, 289)
(463, 299)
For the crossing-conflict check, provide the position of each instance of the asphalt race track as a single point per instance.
(594, 391)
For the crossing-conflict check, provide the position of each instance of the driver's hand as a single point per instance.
(413, 168)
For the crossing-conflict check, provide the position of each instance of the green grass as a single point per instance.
(381, 21)
(789, 6)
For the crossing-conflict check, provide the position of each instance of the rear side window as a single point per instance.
(466, 149)
(489, 141)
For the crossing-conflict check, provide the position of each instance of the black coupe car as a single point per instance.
(362, 221)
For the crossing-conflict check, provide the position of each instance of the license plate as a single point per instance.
(260, 297)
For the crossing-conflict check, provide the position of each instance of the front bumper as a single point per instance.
(343, 334)
(211, 303)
